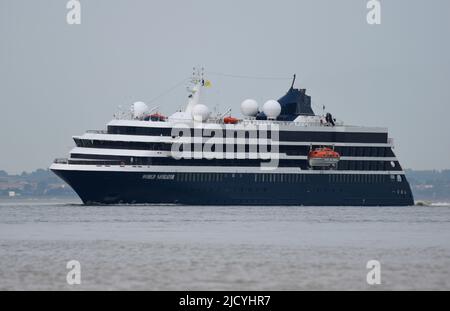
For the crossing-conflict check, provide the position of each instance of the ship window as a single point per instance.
(380, 165)
(374, 152)
(367, 165)
(399, 178)
(373, 165)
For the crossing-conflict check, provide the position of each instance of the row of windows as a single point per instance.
(155, 131)
(258, 178)
(369, 166)
(364, 178)
(283, 135)
(131, 145)
(287, 178)
(289, 150)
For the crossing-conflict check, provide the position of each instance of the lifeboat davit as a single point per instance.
(323, 157)
(230, 120)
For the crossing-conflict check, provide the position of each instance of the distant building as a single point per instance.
(11, 194)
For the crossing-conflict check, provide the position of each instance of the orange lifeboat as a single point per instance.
(230, 120)
(323, 157)
(157, 117)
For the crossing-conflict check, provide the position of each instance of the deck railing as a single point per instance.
(61, 161)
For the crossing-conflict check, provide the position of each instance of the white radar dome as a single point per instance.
(200, 113)
(139, 110)
(249, 107)
(272, 109)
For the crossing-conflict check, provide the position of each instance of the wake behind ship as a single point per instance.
(279, 154)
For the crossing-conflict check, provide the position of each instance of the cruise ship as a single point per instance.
(278, 153)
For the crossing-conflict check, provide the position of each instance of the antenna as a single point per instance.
(224, 114)
(293, 81)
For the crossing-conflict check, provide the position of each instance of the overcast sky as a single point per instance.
(58, 80)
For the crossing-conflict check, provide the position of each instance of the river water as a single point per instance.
(222, 248)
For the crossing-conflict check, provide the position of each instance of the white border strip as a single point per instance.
(209, 169)
(236, 155)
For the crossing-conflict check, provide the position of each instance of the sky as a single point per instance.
(58, 80)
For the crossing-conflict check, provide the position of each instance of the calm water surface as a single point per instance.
(221, 248)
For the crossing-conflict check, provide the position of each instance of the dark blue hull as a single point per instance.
(95, 187)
